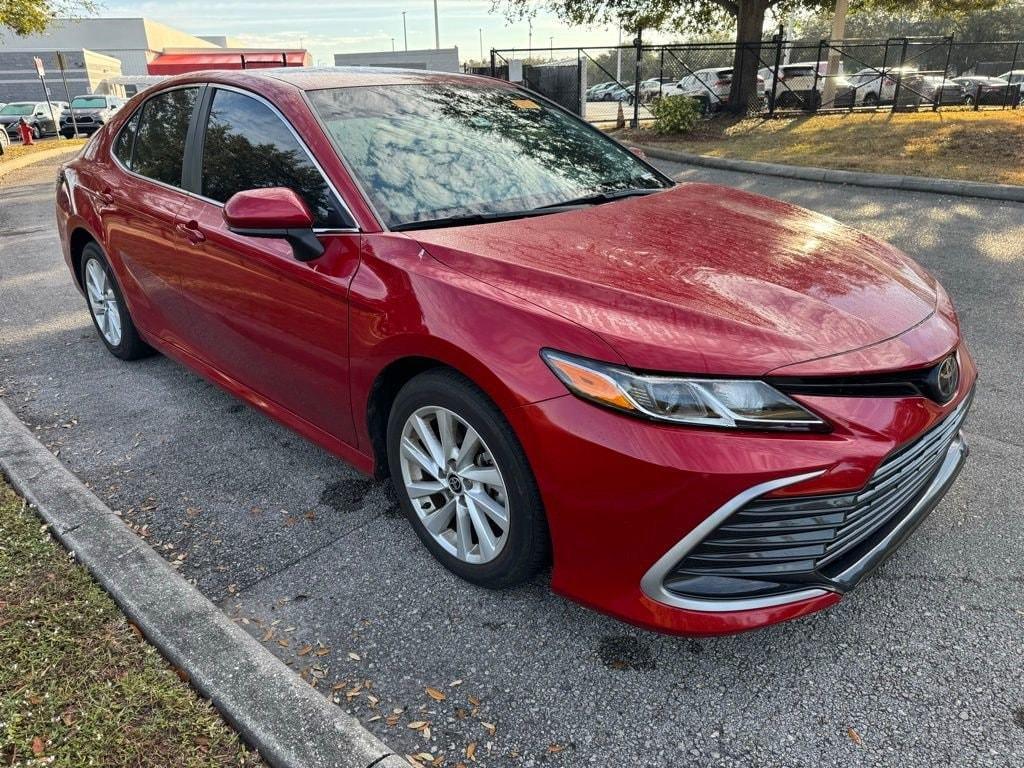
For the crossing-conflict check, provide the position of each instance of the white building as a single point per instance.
(135, 42)
(435, 59)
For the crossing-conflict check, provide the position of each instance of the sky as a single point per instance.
(349, 26)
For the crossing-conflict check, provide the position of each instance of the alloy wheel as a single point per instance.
(456, 488)
(103, 303)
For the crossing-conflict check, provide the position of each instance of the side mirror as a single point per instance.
(274, 212)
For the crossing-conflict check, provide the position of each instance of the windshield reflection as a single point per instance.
(440, 150)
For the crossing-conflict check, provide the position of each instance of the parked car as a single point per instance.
(800, 84)
(5, 141)
(618, 92)
(980, 90)
(1014, 77)
(872, 87)
(39, 115)
(936, 89)
(651, 88)
(90, 112)
(731, 429)
(710, 87)
(594, 92)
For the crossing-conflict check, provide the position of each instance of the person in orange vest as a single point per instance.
(26, 132)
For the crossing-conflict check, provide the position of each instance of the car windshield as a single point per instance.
(88, 102)
(452, 150)
(18, 109)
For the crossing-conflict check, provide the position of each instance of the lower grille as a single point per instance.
(774, 546)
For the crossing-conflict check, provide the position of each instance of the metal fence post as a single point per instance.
(494, 68)
(639, 50)
(661, 72)
(775, 72)
(899, 79)
(817, 61)
(936, 102)
(1013, 66)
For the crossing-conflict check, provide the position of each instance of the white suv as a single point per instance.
(708, 86)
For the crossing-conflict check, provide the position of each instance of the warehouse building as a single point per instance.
(134, 42)
(435, 59)
(84, 70)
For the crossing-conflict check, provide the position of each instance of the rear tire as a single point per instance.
(471, 498)
(108, 309)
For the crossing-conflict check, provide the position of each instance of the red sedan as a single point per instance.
(709, 410)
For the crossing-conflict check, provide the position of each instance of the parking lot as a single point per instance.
(921, 666)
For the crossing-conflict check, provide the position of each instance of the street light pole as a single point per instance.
(392, 45)
(529, 44)
(551, 48)
(481, 43)
(437, 31)
(405, 32)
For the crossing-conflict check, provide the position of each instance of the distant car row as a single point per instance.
(90, 113)
(801, 85)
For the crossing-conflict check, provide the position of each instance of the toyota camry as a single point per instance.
(705, 410)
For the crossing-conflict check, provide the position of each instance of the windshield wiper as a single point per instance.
(603, 197)
(541, 210)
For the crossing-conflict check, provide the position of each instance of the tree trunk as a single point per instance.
(743, 93)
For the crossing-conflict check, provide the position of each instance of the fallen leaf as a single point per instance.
(415, 725)
(354, 656)
(854, 736)
(489, 727)
(37, 747)
(471, 750)
(474, 701)
(554, 749)
(323, 650)
(435, 694)
(305, 650)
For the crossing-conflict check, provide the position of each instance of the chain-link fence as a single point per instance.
(617, 84)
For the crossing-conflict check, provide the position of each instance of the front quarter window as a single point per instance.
(449, 149)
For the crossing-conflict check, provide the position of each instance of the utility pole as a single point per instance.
(437, 31)
(405, 32)
(618, 58)
(828, 92)
(481, 43)
(529, 44)
(392, 45)
(551, 48)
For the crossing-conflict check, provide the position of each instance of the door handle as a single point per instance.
(191, 231)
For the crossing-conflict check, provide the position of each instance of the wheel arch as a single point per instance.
(77, 240)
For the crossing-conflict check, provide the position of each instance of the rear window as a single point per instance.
(799, 72)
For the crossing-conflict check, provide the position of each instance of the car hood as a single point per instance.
(700, 278)
(83, 111)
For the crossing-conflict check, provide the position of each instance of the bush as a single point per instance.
(675, 114)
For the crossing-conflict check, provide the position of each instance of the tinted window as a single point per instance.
(160, 142)
(123, 142)
(248, 147)
(440, 150)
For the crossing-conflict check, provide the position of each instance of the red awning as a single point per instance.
(179, 63)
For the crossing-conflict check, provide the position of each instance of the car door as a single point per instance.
(139, 194)
(274, 324)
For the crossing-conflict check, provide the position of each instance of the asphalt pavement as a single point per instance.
(923, 665)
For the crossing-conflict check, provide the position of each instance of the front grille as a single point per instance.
(772, 546)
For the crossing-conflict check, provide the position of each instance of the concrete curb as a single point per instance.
(14, 163)
(284, 718)
(1010, 192)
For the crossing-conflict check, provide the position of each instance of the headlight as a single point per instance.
(733, 403)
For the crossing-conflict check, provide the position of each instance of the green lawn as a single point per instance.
(79, 686)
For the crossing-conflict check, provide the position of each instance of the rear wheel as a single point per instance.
(106, 305)
(464, 483)
(871, 100)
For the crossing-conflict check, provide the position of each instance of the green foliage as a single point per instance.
(31, 17)
(675, 114)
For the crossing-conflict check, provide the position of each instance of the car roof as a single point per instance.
(315, 78)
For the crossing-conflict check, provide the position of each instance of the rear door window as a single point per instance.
(247, 146)
(160, 138)
(126, 140)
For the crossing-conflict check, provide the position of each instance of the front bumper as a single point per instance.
(628, 499)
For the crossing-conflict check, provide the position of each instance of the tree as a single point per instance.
(30, 17)
(705, 16)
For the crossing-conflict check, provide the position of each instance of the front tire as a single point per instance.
(108, 309)
(464, 483)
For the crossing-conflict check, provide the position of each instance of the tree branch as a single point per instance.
(728, 5)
